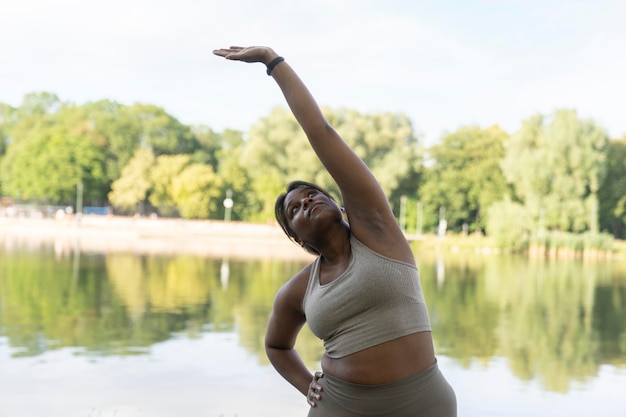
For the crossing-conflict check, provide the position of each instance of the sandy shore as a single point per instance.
(105, 234)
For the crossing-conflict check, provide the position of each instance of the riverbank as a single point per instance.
(105, 234)
(142, 235)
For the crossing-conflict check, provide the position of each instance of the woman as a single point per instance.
(361, 295)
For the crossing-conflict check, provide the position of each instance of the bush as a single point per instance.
(510, 225)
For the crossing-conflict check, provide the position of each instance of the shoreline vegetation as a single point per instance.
(234, 239)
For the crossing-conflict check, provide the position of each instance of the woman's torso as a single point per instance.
(388, 360)
(384, 363)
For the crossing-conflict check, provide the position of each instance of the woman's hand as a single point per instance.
(248, 54)
(314, 390)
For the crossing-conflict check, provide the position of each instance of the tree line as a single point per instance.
(557, 174)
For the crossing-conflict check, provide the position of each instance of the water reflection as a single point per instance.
(556, 322)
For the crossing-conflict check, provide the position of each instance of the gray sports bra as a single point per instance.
(377, 299)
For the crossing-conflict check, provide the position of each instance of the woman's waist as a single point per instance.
(384, 363)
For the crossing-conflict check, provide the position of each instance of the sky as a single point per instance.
(446, 64)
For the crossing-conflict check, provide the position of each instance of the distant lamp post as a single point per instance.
(443, 224)
(403, 213)
(418, 220)
(228, 205)
(79, 200)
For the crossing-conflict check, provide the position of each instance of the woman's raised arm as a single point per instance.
(367, 207)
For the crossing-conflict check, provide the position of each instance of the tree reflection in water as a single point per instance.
(556, 321)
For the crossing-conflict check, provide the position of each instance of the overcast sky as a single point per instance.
(446, 64)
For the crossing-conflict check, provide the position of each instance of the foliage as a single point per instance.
(132, 188)
(162, 132)
(6, 120)
(172, 183)
(210, 144)
(388, 145)
(195, 191)
(556, 165)
(560, 168)
(509, 225)
(16, 126)
(48, 165)
(561, 244)
(234, 176)
(612, 193)
(464, 178)
(113, 131)
(277, 152)
(40, 104)
(163, 175)
(119, 132)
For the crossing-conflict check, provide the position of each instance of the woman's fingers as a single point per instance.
(315, 389)
(221, 52)
(239, 53)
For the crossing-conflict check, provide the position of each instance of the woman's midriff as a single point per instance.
(385, 363)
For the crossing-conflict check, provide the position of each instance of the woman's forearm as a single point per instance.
(289, 364)
(300, 101)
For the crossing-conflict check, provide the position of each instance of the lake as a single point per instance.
(129, 334)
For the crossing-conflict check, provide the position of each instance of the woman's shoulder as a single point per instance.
(294, 289)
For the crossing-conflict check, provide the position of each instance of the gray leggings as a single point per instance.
(425, 394)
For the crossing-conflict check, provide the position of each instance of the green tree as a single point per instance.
(131, 189)
(36, 113)
(6, 118)
(33, 117)
(162, 132)
(48, 166)
(163, 174)
(6, 121)
(509, 223)
(612, 193)
(465, 177)
(44, 114)
(40, 104)
(118, 130)
(388, 144)
(277, 152)
(110, 134)
(209, 145)
(195, 191)
(556, 164)
(235, 177)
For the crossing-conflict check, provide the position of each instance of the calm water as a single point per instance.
(130, 335)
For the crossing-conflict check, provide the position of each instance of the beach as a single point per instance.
(142, 235)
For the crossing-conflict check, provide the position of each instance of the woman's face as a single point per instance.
(307, 210)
